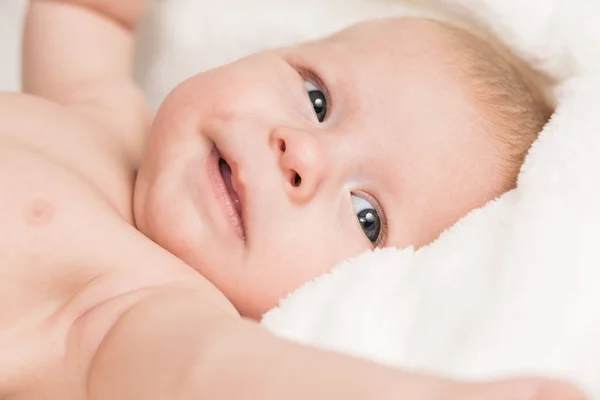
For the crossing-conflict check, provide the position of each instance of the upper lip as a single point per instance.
(238, 187)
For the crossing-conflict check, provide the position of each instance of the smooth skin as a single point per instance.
(93, 309)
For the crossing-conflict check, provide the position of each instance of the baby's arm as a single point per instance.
(79, 53)
(173, 344)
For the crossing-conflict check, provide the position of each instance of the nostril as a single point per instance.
(282, 147)
(297, 180)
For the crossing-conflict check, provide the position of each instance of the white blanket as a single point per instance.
(514, 287)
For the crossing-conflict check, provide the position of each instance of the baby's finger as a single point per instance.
(518, 389)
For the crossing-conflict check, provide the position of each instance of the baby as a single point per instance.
(260, 175)
(264, 173)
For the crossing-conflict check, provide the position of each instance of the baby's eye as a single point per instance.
(368, 217)
(318, 100)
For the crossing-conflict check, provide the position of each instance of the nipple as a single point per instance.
(39, 213)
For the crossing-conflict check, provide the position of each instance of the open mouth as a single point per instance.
(232, 201)
(226, 174)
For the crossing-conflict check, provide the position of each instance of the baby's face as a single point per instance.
(264, 173)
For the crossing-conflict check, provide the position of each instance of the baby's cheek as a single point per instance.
(325, 249)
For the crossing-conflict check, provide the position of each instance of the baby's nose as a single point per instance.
(301, 160)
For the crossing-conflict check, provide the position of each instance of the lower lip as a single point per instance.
(222, 196)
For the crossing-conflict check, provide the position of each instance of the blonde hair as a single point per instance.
(513, 107)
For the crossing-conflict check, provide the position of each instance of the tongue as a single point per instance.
(226, 173)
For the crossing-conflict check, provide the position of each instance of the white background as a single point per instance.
(11, 21)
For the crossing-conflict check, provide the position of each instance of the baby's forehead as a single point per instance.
(393, 33)
(381, 44)
(384, 52)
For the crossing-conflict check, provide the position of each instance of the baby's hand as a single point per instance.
(519, 389)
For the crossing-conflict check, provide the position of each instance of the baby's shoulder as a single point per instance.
(69, 140)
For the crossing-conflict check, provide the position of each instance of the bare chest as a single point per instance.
(63, 198)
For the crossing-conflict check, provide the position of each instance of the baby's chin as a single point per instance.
(156, 214)
(160, 195)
